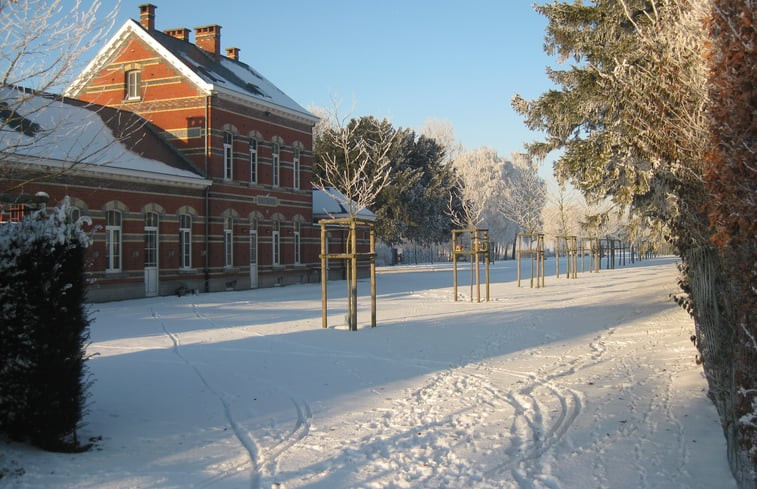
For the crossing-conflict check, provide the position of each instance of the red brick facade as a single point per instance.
(250, 213)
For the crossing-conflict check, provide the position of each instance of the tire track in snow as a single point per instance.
(266, 460)
(242, 435)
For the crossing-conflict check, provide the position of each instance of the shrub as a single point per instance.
(43, 329)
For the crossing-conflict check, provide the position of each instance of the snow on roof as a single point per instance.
(71, 132)
(228, 73)
(203, 69)
(330, 203)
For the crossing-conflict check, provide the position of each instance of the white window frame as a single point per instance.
(296, 169)
(151, 239)
(253, 160)
(113, 240)
(185, 241)
(296, 233)
(228, 242)
(276, 243)
(254, 241)
(133, 85)
(275, 163)
(228, 155)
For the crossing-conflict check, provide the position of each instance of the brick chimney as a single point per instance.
(147, 16)
(232, 53)
(208, 38)
(182, 33)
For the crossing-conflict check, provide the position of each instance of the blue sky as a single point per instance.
(407, 60)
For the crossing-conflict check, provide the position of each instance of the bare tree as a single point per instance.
(562, 212)
(443, 132)
(41, 48)
(525, 194)
(480, 185)
(357, 161)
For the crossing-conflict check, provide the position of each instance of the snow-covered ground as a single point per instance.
(587, 383)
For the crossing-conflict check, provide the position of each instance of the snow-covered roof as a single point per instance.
(60, 132)
(210, 74)
(330, 203)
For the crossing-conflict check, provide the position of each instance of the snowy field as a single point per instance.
(587, 383)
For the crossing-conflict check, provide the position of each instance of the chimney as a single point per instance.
(182, 33)
(147, 16)
(232, 53)
(208, 38)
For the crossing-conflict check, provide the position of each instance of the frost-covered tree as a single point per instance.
(41, 46)
(562, 212)
(631, 116)
(443, 132)
(524, 195)
(480, 186)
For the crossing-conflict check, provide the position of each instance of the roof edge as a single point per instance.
(107, 51)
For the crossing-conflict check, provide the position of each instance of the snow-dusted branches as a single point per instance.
(525, 196)
(41, 47)
(479, 187)
(356, 160)
(443, 132)
(43, 40)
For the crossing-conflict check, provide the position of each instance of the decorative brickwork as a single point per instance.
(191, 95)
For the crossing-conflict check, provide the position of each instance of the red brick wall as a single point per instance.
(175, 105)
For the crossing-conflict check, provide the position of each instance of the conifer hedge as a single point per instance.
(44, 329)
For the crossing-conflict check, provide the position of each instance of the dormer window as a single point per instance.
(133, 82)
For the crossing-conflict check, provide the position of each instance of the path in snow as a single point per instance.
(584, 383)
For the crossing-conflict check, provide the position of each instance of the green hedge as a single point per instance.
(44, 329)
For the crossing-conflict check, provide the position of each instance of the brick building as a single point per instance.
(117, 171)
(247, 219)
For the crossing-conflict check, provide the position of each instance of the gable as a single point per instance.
(103, 80)
(207, 74)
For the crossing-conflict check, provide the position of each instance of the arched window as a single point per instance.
(228, 241)
(276, 242)
(133, 85)
(113, 241)
(254, 241)
(296, 225)
(151, 239)
(253, 160)
(296, 169)
(228, 156)
(185, 241)
(276, 164)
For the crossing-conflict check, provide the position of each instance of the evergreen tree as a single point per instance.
(411, 207)
(43, 330)
(631, 117)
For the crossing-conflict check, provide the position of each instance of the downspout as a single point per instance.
(206, 267)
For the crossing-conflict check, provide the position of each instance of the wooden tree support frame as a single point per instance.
(568, 245)
(615, 251)
(351, 256)
(589, 246)
(471, 242)
(532, 245)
